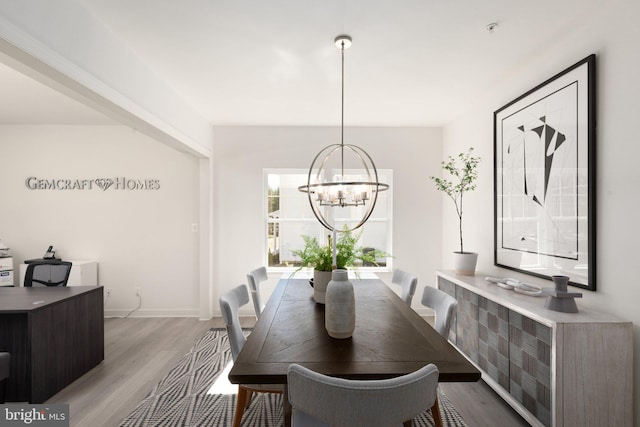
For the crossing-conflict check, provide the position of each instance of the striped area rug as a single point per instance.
(196, 392)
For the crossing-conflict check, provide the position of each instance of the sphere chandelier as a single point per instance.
(354, 178)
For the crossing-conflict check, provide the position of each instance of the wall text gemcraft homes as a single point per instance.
(119, 183)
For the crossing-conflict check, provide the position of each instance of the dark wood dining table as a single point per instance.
(390, 339)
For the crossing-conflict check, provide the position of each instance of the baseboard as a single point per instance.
(187, 312)
(113, 313)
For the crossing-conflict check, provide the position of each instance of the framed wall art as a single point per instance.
(545, 178)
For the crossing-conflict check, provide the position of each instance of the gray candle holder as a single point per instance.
(559, 299)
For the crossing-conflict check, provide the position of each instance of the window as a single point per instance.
(289, 216)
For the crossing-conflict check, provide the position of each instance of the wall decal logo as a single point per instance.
(104, 183)
(118, 183)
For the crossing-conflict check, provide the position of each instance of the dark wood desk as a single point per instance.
(54, 336)
(390, 339)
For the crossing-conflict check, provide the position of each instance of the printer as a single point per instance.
(6, 266)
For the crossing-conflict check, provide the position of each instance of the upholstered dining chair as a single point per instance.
(254, 278)
(230, 303)
(444, 306)
(320, 401)
(408, 282)
(5, 359)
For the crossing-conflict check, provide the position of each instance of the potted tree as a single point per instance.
(320, 258)
(463, 174)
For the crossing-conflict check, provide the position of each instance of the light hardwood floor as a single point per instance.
(140, 351)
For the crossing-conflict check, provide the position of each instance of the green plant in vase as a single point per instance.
(348, 253)
(320, 257)
(314, 255)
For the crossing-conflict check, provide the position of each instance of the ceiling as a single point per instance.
(256, 62)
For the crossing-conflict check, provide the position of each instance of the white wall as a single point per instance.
(614, 38)
(140, 238)
(241, 154)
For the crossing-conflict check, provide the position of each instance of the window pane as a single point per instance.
(373, 235)
(295, 203)
(381, 209)
(273, 195)
(290, 238)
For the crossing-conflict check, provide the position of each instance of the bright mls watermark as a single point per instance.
(18, 414)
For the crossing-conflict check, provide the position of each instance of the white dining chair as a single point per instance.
(254, 278)
(444, 306)
(408, 282)
(320, 401)
(230, 303)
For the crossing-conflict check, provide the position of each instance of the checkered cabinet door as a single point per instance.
(530, 365)
(493, 340)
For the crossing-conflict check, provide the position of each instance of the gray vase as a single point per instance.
(340, 306)
(320, 281)
(560, 283)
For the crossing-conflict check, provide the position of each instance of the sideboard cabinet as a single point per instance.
(555, 369)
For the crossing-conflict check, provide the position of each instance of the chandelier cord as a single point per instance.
(342, 118)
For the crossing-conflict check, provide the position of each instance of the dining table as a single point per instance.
(390, 339)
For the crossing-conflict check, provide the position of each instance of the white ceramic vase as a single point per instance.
(340, 307)
(320, 281)
(465, 263)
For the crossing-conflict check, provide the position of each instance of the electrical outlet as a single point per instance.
(195, 227)
(138, 291)
(108, 292)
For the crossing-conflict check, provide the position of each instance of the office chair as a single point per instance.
(444, 306)
(408, 282)
(320, 400)
(254, 278)
(230, 303)
(47, 273)
(5, 359)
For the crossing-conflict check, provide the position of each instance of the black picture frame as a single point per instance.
(544, 178)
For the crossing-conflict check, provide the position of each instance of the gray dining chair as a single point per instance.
(254, 278)
(408, 282)
(5, 360)
(230, 303)
(319, 400)
(444, 306)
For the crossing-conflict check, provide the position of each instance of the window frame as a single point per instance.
(388, 218)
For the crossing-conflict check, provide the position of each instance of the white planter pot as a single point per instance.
(320, 281)
(465, 263)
